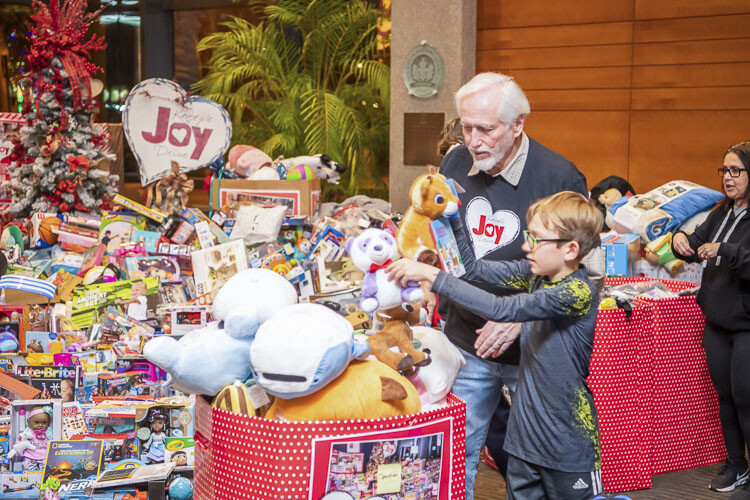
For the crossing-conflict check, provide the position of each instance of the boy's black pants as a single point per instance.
(525, 481)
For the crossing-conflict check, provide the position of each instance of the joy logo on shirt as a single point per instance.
(490, 230)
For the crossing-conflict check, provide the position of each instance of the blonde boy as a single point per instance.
(553, 432)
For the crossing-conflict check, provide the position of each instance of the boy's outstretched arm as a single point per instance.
(405, 270)
(572, 298)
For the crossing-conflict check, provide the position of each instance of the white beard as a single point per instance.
(496, 155)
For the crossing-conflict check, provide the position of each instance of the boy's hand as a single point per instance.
(405, 270)
(495, 338)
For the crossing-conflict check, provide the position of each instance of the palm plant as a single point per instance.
(306, 79)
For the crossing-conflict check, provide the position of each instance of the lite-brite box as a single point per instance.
(411, 456)
(301, 196)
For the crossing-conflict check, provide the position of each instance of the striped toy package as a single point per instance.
(410, 456)
(10, 128)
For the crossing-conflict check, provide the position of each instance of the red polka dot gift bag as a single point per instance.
(411, 456)
(658, 410)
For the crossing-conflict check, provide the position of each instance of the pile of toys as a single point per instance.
(641, 226)
(267, 319)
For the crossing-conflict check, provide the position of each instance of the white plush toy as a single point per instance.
(301, 349)
(265, 174)
(206, 360)
(371, 252)
(23, 444)
(434, 381)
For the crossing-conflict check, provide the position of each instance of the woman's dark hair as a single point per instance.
(742, 150)
(452, 134)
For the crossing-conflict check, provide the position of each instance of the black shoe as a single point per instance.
(741, 493)
(728, 479)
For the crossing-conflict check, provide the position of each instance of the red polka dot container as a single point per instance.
(658, 409)
(238, 456)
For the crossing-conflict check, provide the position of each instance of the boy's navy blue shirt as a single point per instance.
(553, 421)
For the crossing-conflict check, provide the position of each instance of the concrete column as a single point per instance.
(450, 26)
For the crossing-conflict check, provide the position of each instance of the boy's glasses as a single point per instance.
(733, 171)
(532, 241)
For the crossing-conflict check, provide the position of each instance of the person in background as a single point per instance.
(722, 242)
(451, 137)
(502, 171)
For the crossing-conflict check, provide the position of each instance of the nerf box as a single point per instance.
(623, 251)
(301, 197)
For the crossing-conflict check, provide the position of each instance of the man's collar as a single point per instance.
(512, 172)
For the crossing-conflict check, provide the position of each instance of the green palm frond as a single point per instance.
(305, 80)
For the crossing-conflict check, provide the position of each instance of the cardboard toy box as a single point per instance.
(623, 250)
(301, 196)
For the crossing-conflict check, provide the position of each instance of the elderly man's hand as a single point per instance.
(495, 338)
(429, 301)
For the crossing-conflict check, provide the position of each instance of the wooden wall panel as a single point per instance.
(705, 98)
(572, 78)
(648, 90)
(692, 75)
(576, 100)
(693, 28)
(596, 141)
(653, 9)
(510, 13)
(555, 57)
(706, 51)
(668, 145)
(556, 36)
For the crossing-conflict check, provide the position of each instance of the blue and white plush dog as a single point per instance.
(206, 360)
(302, 348)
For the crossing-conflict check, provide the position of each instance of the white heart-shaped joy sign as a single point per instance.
(490, 231)
(162, 125)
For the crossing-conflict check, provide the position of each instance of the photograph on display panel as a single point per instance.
(412, 462)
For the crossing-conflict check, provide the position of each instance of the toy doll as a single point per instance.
(155, 443)
(32, 442)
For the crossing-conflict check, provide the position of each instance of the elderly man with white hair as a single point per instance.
(503, 171)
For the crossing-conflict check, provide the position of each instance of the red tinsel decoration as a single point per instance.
(59, 32)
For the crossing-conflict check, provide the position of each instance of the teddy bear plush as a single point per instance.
(366, 389)
(372, 251)
(396, 332)
(302, 348)
(430, 198)
(205, 360)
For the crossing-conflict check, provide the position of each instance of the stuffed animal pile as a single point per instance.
(205, 360)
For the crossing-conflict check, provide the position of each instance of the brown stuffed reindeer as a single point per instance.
(396, 332)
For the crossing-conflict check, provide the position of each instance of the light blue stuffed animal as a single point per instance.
(206, 360)
(301, 349)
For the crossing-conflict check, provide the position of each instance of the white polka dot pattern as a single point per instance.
(658, 410)
(238, 456)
